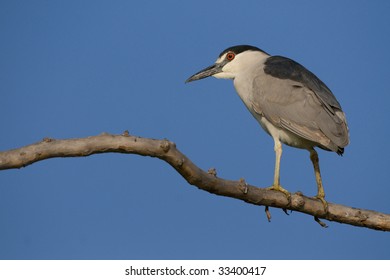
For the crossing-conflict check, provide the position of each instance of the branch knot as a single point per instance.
(165, 145)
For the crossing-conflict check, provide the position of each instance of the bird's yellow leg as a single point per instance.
(321, 193)
(276, 186)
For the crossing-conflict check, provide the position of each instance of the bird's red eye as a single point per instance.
(230, 56)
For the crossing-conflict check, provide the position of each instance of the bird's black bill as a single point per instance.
(207, 72)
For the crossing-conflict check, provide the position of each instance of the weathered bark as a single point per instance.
(208, 181)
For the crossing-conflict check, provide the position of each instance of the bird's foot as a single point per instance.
(324, 202)
(282, 190)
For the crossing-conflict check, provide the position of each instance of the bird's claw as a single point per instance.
(324, 202)
(282, 190)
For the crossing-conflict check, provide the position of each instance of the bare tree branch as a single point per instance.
(208, 181)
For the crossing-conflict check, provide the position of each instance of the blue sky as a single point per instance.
(73, 69)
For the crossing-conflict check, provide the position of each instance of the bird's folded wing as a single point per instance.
(290, 105)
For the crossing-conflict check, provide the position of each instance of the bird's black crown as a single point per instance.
(241, 48)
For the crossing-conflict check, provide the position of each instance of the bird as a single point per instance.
(290, 103)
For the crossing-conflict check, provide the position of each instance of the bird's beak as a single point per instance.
(207, 72)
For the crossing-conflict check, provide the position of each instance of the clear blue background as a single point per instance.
(72, 69)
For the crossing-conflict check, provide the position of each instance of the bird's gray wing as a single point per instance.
(293, 98)
(284, 68)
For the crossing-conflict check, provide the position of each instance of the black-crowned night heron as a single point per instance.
(290, 103)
